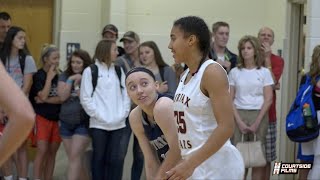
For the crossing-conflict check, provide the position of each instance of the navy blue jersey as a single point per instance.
(155, 135)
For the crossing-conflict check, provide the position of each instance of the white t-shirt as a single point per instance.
(249, 84)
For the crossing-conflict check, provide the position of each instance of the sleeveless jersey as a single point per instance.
(195, 123)
(155, 134)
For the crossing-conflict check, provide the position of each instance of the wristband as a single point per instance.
(69, 81)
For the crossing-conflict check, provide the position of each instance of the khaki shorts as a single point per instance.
(248, 117)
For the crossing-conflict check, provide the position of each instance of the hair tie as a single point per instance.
(140, 69)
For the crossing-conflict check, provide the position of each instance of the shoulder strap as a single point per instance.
(126, 64)
(118, 71)
(22, 61)
(94, 74)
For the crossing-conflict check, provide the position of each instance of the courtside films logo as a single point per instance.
(289, 168)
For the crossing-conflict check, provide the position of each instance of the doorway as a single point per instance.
(36, 18)
(294, 68)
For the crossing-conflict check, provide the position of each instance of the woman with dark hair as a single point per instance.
(73, 131)
(151, 58)
(21, 66)
(46, 103)
(202, 108)
(108, 107)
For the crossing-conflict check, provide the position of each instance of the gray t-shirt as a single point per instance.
(125, 62)
(70, 108)
(14, 69)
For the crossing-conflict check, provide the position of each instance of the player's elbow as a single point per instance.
(26, 117)
(29, 119)
(228, 128)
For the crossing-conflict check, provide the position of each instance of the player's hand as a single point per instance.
(181, 171)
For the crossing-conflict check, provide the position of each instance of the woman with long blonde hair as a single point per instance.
(46, 103)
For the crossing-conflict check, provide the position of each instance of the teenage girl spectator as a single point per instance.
(19, 111)
(108, 107)
(202, 108)
(152, 121)
(151, 58)
(20, 66)
(46, 103)
(74, 133)
(251, 90)
(313, 146)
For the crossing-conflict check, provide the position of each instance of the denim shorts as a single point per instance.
(67, 130)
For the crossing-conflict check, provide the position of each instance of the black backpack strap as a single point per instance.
(22, 61)
(118, 71)
(94, 74)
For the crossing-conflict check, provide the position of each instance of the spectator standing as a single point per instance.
(275, 64)
(219, 51)
(108, 107)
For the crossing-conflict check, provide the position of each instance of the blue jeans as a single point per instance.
(109, 151)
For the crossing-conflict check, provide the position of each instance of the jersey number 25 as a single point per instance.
(182, 127)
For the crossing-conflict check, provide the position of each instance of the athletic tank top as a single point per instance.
(196, 122)
(155, 135)
(193, 112)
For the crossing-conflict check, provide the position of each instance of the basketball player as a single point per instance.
(202, 108)
(152, 122)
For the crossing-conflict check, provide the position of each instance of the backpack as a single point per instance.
(84, 117)
(295, 123)
(94, 74)
(22, 61)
